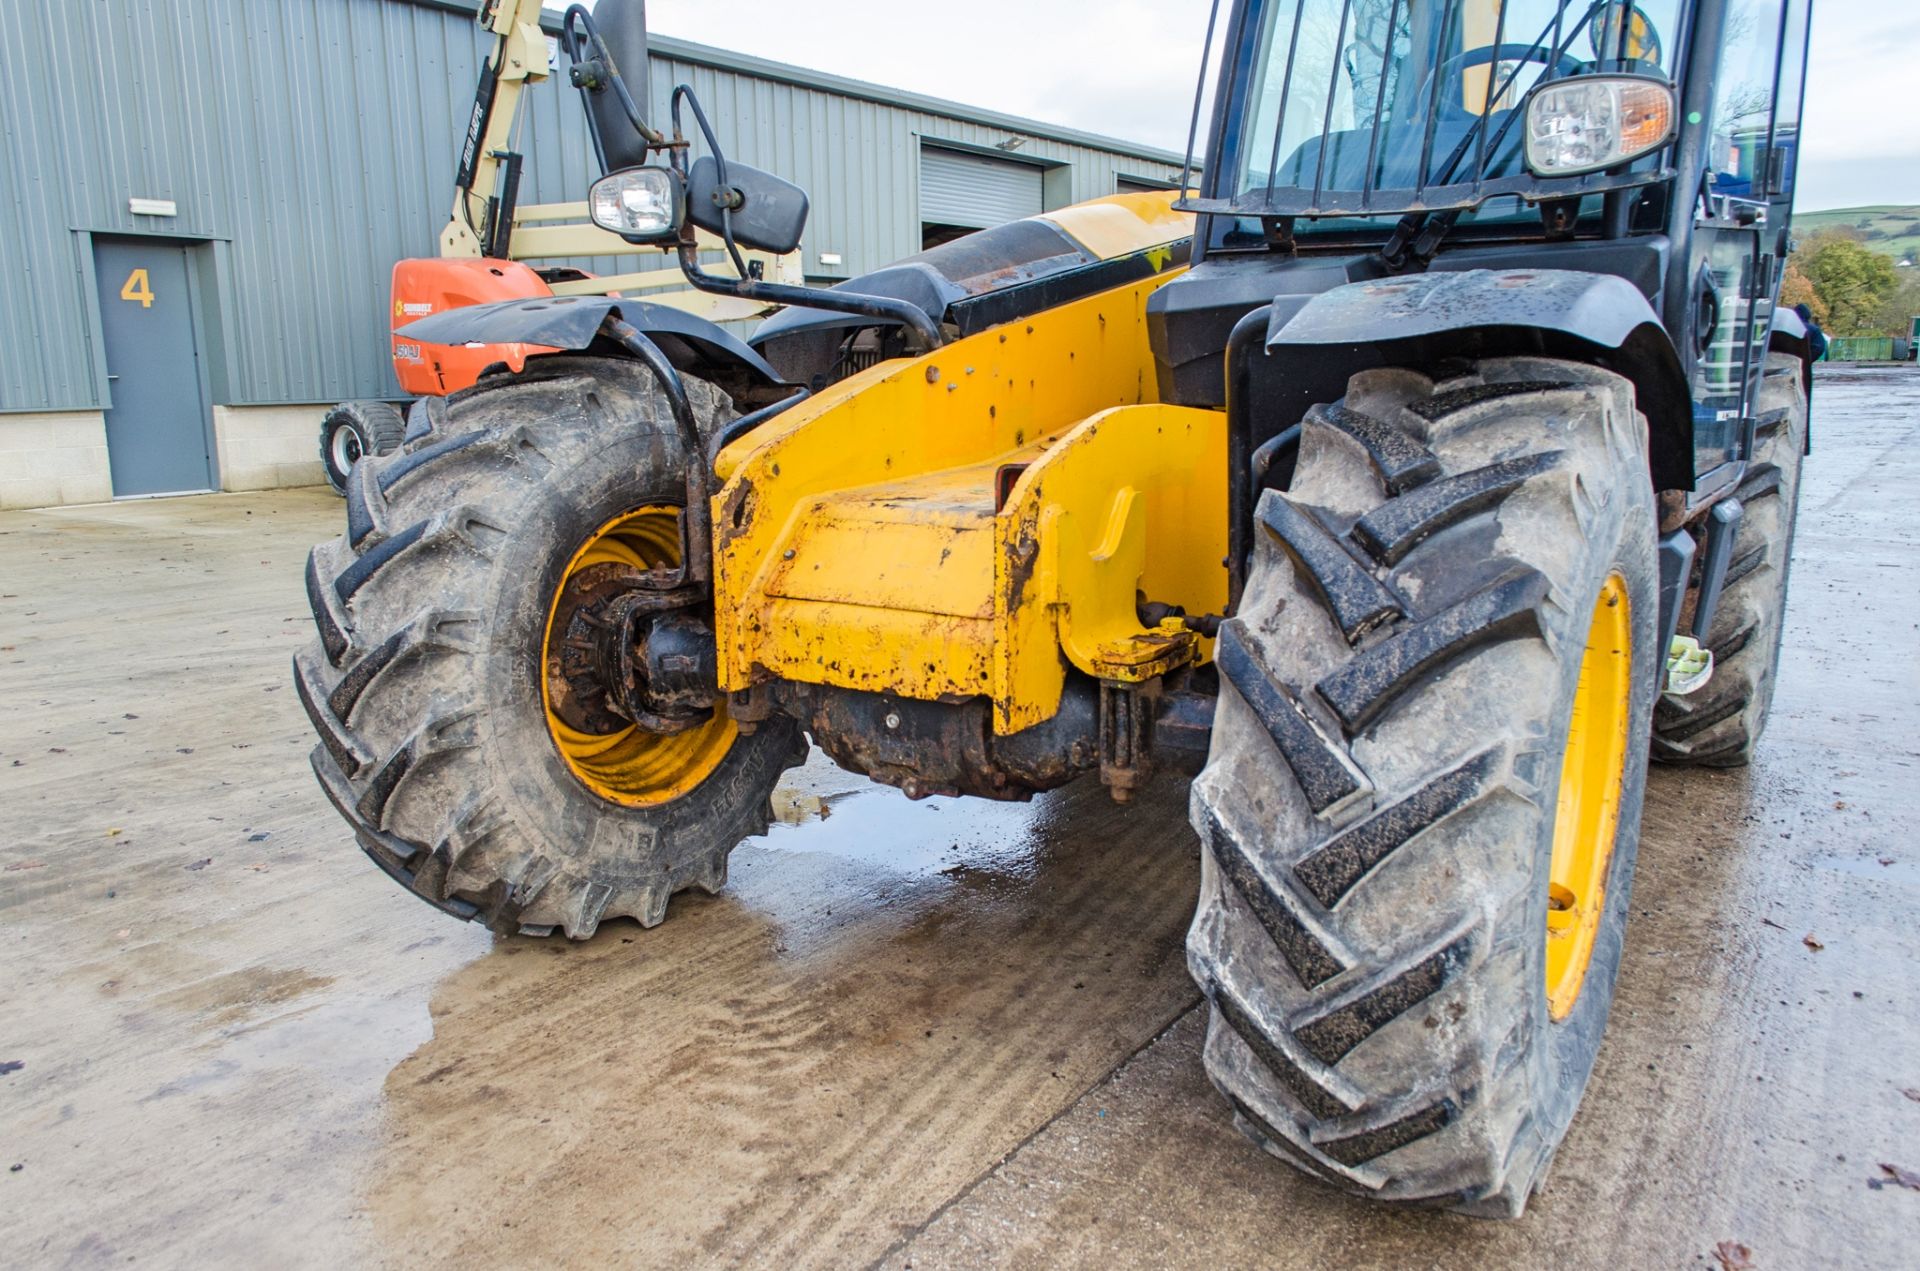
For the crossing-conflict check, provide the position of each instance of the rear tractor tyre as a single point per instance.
(353, 429)
(1719, 726)
(439, 685)
(1423, 798)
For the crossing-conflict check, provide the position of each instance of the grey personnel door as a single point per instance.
(157, 427)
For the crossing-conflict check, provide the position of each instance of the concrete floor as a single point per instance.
(943, 1034)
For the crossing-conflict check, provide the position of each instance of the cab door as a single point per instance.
(1739, 230)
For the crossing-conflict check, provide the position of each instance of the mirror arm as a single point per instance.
(747, 287)
(685, 92)
(587, 52)
(912, 317)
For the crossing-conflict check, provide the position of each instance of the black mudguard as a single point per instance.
(572, 324)
(1789, 335)
(1417, 320)
(1788, 332)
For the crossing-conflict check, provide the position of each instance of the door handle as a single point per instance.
(1707, 311)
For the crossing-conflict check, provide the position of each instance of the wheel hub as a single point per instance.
(629, 655)
(346, 448)
(628, 670)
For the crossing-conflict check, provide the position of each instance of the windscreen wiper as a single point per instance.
(1418, 235)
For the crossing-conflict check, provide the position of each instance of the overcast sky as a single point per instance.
(1127, 68)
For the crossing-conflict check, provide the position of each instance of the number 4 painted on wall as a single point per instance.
(138, 288)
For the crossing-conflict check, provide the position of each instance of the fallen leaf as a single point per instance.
(1811, 943)
(1733, 1256)
(1912, 1094)
(1840, 805)
(1886, 860)
(259, 866)
(20, 865)
(1904, 1177)
(202, 863)
(114, 833)
(123, 933)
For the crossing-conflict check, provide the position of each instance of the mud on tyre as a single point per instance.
(1388, 1009)
(427, 683)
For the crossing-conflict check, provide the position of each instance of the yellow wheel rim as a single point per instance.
(630, 766)
(1587, 818)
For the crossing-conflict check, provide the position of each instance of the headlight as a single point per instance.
(639, 204)
(1593, 122)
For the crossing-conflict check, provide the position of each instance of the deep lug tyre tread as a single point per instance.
(1381, 787)
(422, 687)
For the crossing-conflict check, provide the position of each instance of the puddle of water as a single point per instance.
(1904, 872)
(840, 814)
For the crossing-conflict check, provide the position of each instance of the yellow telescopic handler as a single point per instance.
(1412, 480)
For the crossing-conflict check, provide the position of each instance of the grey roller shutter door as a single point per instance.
(957, 188)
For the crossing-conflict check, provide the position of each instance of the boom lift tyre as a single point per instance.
(1450, 623)
(455, 616)
(1719, 726)
(353, 429)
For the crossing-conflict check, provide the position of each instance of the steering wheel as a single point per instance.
(1455, 67)
(1643, 43)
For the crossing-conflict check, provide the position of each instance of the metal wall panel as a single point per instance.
(310, 144)
(957, 188)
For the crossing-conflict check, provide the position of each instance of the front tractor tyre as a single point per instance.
(463, 733)
(353, 430)
(1422, 803)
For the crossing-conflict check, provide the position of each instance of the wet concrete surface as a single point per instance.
(939, 1034)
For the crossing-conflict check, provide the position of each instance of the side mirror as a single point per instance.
(641, 205)
(622, 28)
(769, 214)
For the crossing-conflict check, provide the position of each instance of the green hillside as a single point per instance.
(1892, 231)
